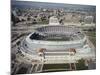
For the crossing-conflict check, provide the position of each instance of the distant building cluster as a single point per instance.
(41, 16)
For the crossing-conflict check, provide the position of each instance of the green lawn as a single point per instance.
(93, 40)
(56, 66)
(91, 33)
(92, 36)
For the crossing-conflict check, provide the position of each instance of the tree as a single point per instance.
(81, 65)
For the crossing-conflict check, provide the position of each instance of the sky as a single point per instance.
(52, 5)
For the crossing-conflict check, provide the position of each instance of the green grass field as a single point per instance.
(56, 66)
(92, 37)
(64, 67)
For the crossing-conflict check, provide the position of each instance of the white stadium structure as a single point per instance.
(57, 44)
(53, 44)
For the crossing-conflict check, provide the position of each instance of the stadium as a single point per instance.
(56, 44)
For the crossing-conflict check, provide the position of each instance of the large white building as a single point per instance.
(54, 21)
(53, 44)
(57, 44)
(88, 19)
